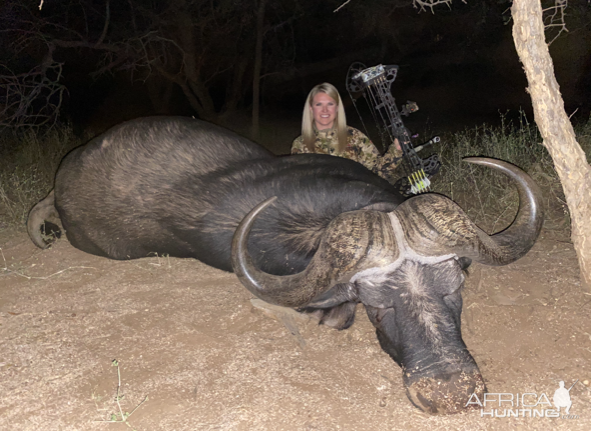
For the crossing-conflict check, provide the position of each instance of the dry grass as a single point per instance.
(487, 196)
(29, 163)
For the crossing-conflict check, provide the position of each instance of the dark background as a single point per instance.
(459, 64)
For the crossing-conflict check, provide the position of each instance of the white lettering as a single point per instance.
(477, 402)
(489, 396)
(509, 401)
(552, 413)
(523, 400)
(547, 402)
(505, 398)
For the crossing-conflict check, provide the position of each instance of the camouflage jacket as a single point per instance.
(359, 148)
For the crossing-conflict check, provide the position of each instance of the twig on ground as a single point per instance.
(124, 415)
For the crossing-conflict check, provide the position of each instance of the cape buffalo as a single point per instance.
(324, 234)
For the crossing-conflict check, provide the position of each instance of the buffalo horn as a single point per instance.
(433, 223)
(288, 291)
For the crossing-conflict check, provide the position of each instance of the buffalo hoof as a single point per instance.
(447, 394)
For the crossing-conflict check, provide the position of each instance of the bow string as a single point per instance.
(374, 83)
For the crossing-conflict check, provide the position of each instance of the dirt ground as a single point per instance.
(195, 353)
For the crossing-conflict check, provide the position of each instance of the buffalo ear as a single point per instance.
(385, 207)
(464, 262)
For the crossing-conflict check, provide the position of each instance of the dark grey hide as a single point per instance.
(180, 186)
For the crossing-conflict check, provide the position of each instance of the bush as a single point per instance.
(29, 163)
(487, 196)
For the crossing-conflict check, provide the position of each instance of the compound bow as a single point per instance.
(374, 84)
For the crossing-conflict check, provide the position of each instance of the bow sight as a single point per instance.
(374, 84)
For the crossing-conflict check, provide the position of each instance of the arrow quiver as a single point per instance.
(374, 84)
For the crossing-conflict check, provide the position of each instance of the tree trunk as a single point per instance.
(256, 79)
(554, 125)
(191, 81)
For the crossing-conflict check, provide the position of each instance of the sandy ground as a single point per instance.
(194, 353)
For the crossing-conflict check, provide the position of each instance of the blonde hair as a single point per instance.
(340, 120)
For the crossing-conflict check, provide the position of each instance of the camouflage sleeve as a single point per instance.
(369, 156)
(298, 146)
(392, 158)
(362, 150)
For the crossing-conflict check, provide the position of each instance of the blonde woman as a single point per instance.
(325, 131)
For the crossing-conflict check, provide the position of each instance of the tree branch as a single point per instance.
(554, 17)
(341, 6)
(422, 5)
(106, 26)
(33, 98)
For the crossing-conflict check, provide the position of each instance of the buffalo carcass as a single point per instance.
(324, 234)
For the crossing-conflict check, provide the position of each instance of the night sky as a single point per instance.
(458, 64)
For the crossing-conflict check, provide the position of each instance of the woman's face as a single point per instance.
(324, 111)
